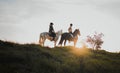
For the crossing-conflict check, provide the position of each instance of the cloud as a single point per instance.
(17, 10)
(111, 7)
(14, 12)
(21, 18)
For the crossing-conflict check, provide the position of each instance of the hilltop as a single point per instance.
(32, 58)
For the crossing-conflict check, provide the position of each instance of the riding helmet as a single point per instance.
(51, 23)
(71, 24)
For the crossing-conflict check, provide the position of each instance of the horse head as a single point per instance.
(59, 32)
(77, 32)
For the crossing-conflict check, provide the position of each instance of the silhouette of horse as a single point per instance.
(70, 37)
(45, 35)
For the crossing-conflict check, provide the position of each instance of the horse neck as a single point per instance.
(75, 33)
(58, 33)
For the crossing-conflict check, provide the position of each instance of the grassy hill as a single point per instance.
(32, 58)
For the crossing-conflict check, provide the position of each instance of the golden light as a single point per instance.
(80, 51)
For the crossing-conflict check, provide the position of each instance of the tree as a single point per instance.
(95, 40)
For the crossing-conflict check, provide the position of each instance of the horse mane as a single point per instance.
(58, 31)
(75, 30)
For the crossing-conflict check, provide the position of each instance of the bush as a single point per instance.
(95, 40)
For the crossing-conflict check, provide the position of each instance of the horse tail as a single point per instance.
(61, 40)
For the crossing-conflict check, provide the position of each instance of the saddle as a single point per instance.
(50, 34)
(53, 35)
(71, 37)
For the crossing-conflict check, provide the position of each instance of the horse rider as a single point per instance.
(51, 31)
(70, 28)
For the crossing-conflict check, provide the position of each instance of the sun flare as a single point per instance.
(80, 51)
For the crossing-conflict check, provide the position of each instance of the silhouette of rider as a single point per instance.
(70, 28)
(51, 31)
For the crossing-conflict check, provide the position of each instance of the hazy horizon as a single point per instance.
(23, 20)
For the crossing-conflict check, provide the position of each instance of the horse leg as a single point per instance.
(55, 44)
(40, 41)
(75, 43)
(65, 42)
(61, 41)
(44, 42)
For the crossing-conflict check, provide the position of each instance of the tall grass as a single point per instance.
(32, 58)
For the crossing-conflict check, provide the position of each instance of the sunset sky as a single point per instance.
(22, 21)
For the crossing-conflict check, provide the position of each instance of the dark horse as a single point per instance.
(67, 36)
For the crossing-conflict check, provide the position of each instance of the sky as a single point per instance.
(22, 21)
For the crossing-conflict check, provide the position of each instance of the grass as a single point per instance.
(32, 58)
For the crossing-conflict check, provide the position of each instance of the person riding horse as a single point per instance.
(70, 29)
(51, 31)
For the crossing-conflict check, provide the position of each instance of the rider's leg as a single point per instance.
(54, 35)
